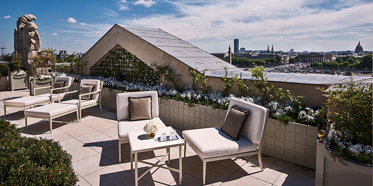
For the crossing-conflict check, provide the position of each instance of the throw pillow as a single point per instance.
(86, 89)
(140, 108)
(58, 84)
(234, 122)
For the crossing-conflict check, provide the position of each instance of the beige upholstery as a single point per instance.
(95, 96)
(124, 125)
(50, 112)
(30, 101)
(25, 101)
(211, 144)
(127, 126)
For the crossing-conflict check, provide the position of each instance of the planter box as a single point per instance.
(4, 83)
(35, 84)
(18, 82)
(330, 172)
(294, 142)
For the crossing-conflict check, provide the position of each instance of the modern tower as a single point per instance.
(236, 45)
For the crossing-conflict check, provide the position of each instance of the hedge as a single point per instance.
(30, 161)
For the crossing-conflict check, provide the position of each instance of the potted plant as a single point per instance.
(349, 137)
(18, 77)
(4, 71)
(41, 63)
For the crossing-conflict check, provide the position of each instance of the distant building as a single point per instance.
(242, 49)
(291, 50)
(312, 57)
(358, 48)
(236, 45)
(62, 55)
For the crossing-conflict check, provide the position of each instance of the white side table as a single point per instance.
(141, 142)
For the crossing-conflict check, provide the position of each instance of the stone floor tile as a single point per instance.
(60, 137)
(81, 153)
(240, 178)
(131, 182)
(91, 164)
(71, 144)
(103, 145)
(215, 172)
(301, 169)
(110, 175)
(98, 123)
(269, 174)
(92, 137)
(188, 180)
(290, 178)
(82, 182)
(112, 132)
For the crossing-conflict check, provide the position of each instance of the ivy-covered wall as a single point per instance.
(122, 65)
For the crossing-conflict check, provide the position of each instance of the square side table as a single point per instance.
(142, 142)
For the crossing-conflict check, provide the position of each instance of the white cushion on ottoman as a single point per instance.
(25, 101)
(51, 110)
(211, 142)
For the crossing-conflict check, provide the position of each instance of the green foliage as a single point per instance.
(244, 62)
(30, 161)
(292, 60)
(269, 93)
(271, 60)
(166, 72)
(278, 58)
(17, 63)
(122, 65)
(200, 78)
(355, 122)
(45, 58)
(229, 83)
(7, 58)
(4, 70)
(367, 62)
(75, 63)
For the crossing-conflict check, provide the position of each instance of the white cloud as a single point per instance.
(148, 3)
(42, 33)
(249, 19)
(83, 23)
(122, 1)
(7, 17)
(71, 20)
(122, 7)
(54, 34)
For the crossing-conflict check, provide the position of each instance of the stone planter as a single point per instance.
(18, 82)
(330, 172)
(36, 84)
(294, 142)
(4, 83)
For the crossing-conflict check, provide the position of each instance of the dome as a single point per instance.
(358, 48)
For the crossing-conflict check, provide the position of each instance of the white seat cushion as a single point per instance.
(76, 102)
(211, 142)
(127, 126)
(54, 96)
(49, 110)
(25, 101)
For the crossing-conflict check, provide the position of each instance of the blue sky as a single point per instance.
(304, 25)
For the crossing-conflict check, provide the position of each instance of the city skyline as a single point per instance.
(210, 25)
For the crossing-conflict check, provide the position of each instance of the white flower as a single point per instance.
(19, 73)
(151, 127)
(302, 114)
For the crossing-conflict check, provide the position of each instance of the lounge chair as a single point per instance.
(212, 144)
(123, 116)
(31, 101)
(93, 96)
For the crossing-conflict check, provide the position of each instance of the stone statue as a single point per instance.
(26, 40)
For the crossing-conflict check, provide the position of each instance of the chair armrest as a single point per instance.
(59, 88)
(68, 92)
(80, 95)
(42, 87)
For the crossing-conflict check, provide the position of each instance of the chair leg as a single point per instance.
(80, 114)
(77, 116)
(5, 111)
(120, 153)
(260, 161)
(26, 122)
(100, 107)
(204, 172)
(169, 154)
(50, 124)
(184, 149)
(131, 159)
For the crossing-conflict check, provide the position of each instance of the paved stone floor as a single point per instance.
(94, 148)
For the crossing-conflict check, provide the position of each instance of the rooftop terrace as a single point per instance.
(94, 149)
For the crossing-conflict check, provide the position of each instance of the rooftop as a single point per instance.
(94, 148)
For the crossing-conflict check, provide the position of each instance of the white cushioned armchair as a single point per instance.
(211, 144)
(124, 125)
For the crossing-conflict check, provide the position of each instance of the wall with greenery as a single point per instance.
(122, 65)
